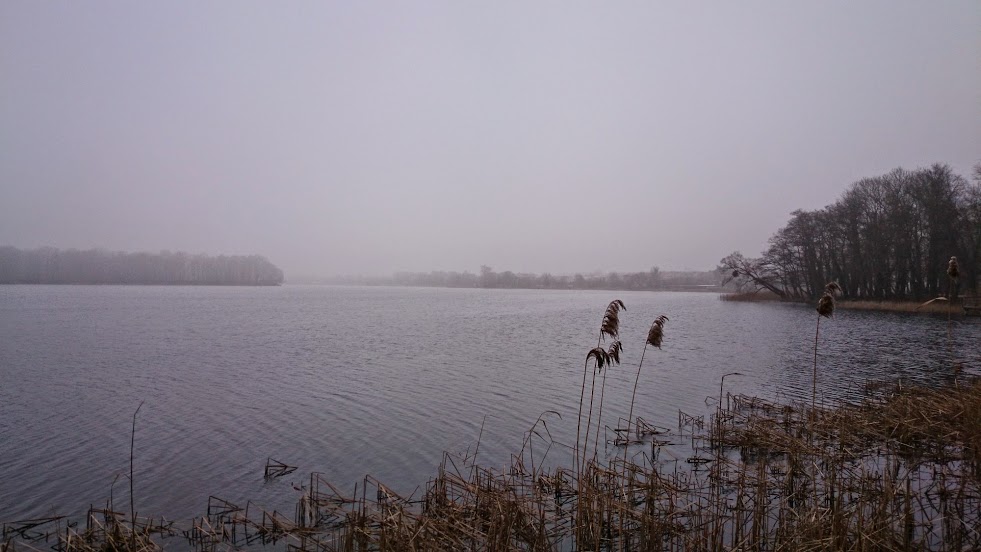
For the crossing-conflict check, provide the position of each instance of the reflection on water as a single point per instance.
(349, 381)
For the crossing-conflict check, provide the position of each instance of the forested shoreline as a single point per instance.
(888, 237)
(48, 265)
(649, 280)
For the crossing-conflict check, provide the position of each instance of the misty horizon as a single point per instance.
(339, 139)
(342, 276)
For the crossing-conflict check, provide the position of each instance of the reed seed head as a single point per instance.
(614, 352)
(656, 334)
(826, 305)
(611, 319)
(602, 357)
(952, 269)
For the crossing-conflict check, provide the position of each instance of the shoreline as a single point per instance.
(911, 307)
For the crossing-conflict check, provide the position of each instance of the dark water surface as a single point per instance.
(352, 381)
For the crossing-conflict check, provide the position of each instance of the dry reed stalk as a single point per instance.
(953, 274)
(655, 337)
(825, 309)
(132, 502)
(613, 357)
(610, 326)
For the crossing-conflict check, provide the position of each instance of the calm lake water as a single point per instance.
(351, 381)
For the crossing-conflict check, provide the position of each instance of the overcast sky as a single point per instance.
(370, 137)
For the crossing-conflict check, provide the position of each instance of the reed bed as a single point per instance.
(900, 470)
(923, 307)
(938, 307)
(750, 296)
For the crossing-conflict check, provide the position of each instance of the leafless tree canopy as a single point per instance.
(886, 237)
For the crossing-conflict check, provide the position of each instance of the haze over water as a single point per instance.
(369, 138)
(379, 381)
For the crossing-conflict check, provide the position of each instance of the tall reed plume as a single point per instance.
(613, 355)
(953, 274)
(610, 326)
(654, 338)
(825, 309)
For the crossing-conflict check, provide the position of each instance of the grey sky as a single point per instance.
(369, 137)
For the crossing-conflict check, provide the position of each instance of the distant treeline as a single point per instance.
(887, 237)
(654, 279)
(48, 265)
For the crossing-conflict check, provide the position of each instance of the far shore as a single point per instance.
(922, 307)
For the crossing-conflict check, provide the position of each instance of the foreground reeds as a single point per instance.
(609, 327)
(655, 336)
(900, 470)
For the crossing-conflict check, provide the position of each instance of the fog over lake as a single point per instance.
(370, 138)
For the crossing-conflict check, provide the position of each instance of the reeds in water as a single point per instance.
(655, 337)
(609, 327)
(900, 470)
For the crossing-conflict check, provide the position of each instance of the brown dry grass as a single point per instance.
(939, 307)
(750, 296)
(901, 470)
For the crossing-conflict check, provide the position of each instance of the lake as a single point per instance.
(350, 381)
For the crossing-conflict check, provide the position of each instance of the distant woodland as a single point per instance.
(887, 237)
(653, 279)
(48, 265)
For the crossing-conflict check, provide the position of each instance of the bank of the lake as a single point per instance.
(961, 307)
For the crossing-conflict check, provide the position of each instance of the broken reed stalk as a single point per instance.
(132, 503)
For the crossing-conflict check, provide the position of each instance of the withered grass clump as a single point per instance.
(900, 470)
